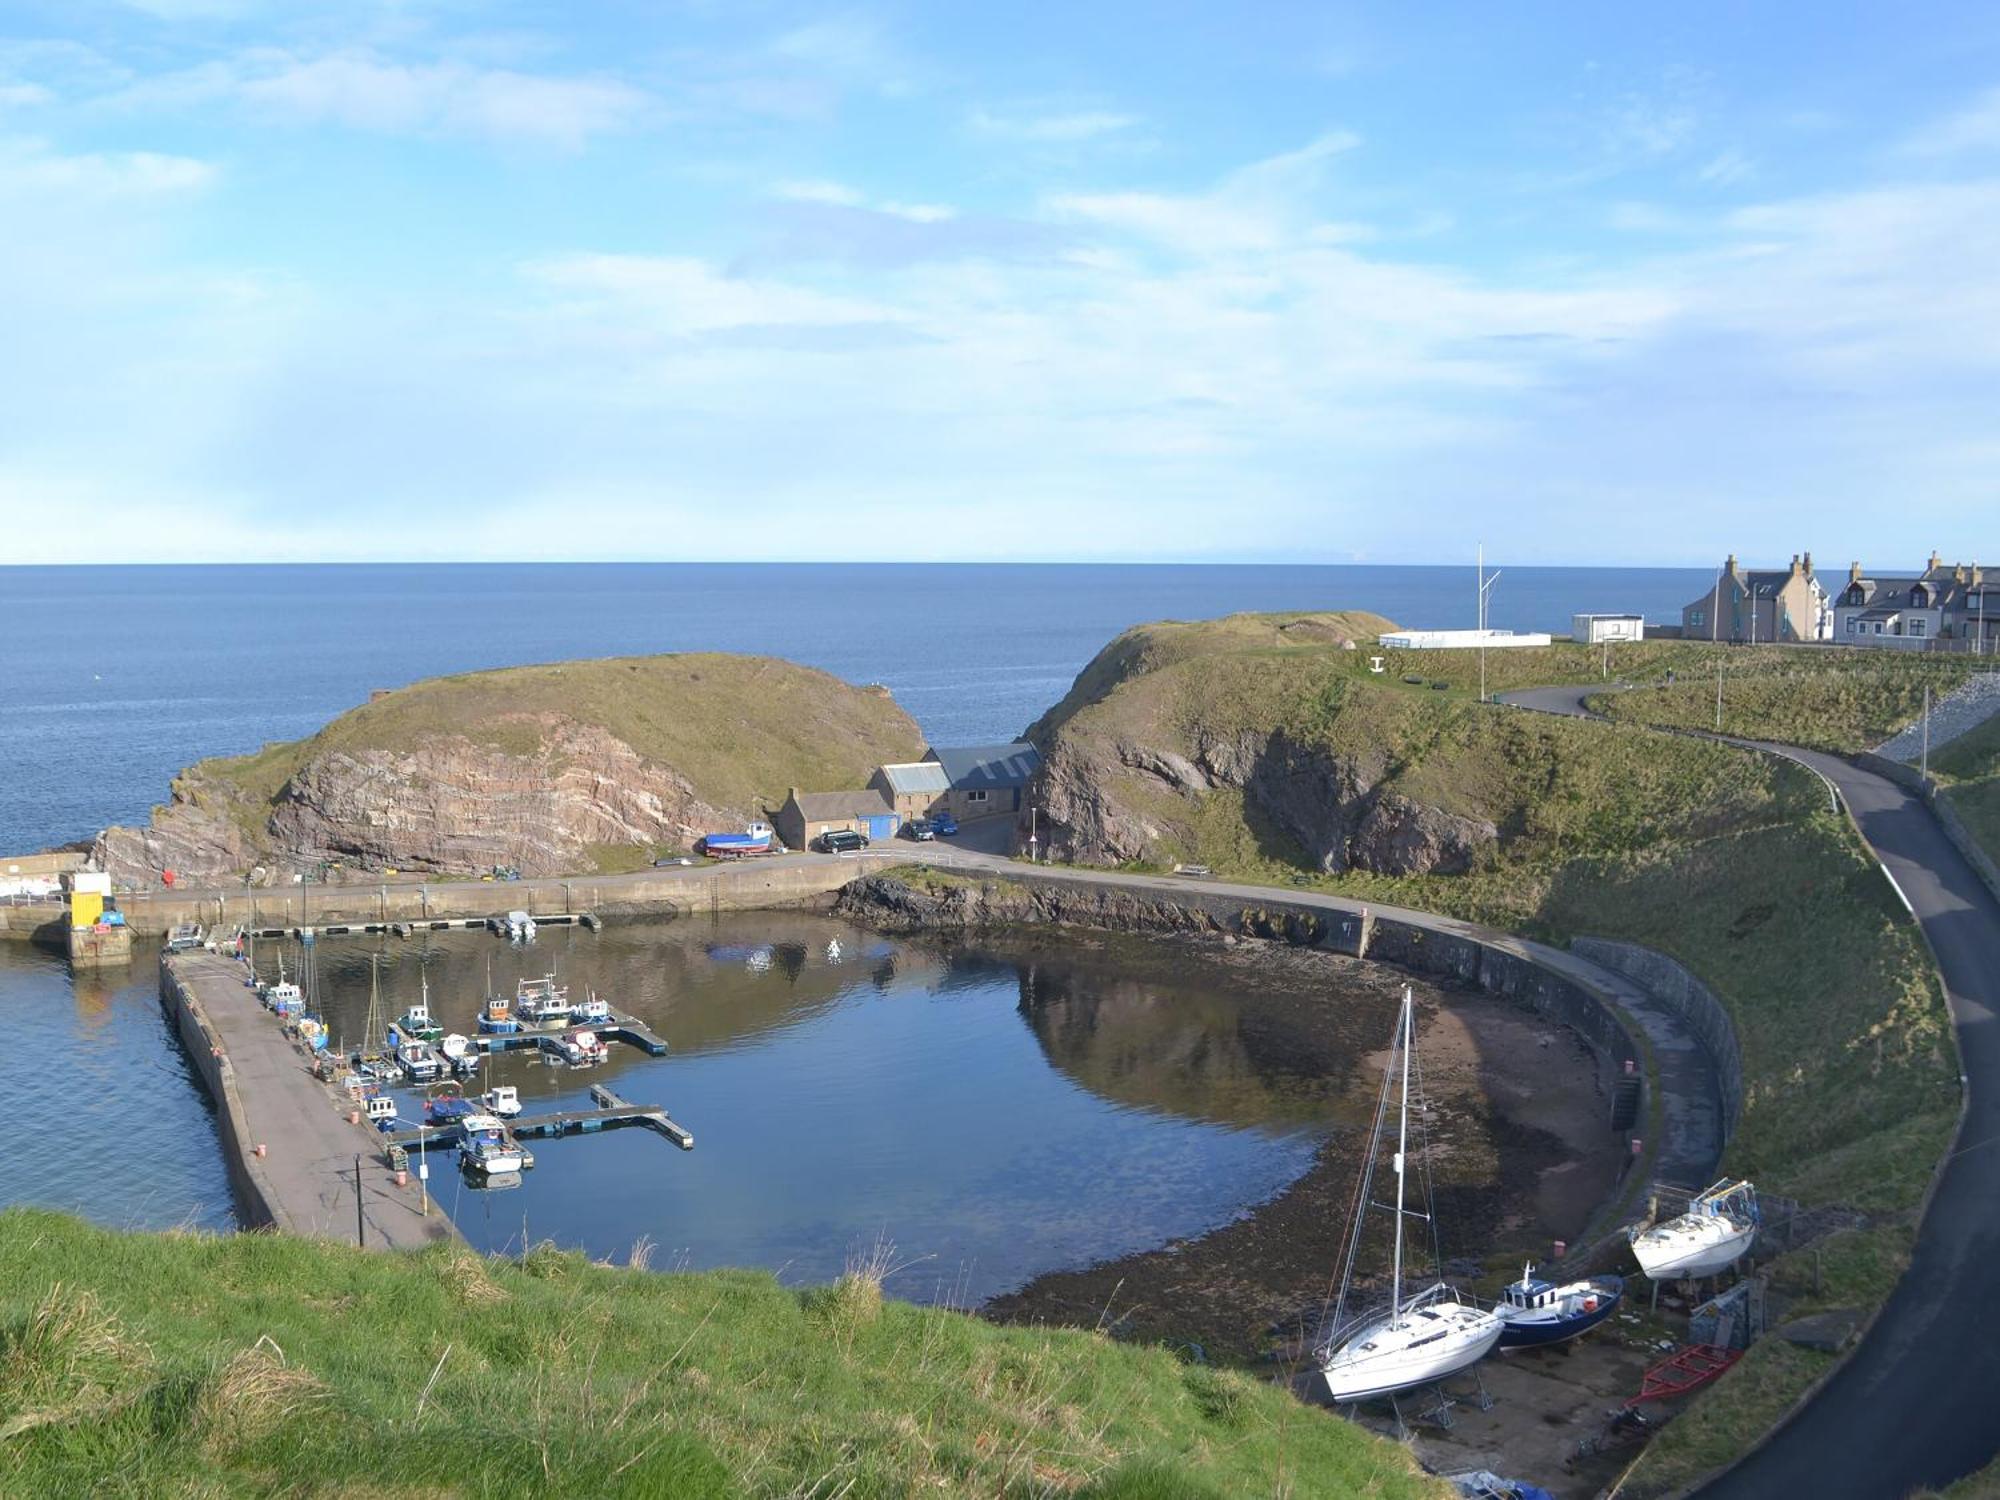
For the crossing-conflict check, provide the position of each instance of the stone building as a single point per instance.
(1942, 607)
(1761, 604)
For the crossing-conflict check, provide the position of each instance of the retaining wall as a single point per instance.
(211, 1065)
(1671, 982)
(1954, 827)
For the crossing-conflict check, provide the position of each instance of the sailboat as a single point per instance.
(1420, 1338)
(1711, 1236)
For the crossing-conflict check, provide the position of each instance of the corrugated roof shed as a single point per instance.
(913, 777)
(977, 767)
(818, 806)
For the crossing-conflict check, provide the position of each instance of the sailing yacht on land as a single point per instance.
(1711, 1236)
(1420, 1338)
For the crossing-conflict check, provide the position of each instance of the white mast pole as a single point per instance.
(1402, 1142)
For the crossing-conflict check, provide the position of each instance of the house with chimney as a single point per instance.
(1945, 607)
(1761, 604)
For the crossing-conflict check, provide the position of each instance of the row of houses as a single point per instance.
(971, 783)
(1943, 607)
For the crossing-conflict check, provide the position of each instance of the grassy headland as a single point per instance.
(1730, 861)
(256, 1364)
(1969, 769)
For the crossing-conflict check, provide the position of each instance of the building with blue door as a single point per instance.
(807, 815)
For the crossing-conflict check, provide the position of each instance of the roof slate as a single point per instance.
(985, 767)
(916, 777)
(819, 806)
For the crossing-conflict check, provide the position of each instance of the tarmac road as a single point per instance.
(1913, 1406)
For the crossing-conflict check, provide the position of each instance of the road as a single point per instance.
(1912, 1407)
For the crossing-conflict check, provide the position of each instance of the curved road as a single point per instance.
(1912, 1407)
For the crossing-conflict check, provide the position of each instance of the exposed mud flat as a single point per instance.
(1521, 1149)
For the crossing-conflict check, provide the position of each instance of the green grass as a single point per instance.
(1968, 770)
(1829, 698)
(742, 730)
(145, 1365)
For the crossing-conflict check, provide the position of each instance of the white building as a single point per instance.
(1459, 640)
(1595, 630)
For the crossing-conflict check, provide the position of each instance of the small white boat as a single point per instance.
(1711, 1236)
(542, 1002)
(459, 1053)
(519, 927)
(285, 998)
(484, 1146)
(583, 1049)
(1417, 1339)
(591, 1011)
(502, 1099)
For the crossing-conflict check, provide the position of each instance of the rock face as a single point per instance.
(522, 767)
(1327, 802)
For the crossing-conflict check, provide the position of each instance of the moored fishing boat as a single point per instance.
(502, 1099)
(583, 1049)
(1540, 1312)
(418, 1059)
(1418, 1339)
(591, 1011)
(542, 1002)
(459, 1054)
(1711, 1236)
(497, 1017)
(485, 1147)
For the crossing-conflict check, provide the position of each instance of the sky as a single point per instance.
(424, 279)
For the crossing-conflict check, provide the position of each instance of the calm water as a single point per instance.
(122, 1132)
(115, 678)
(992, 1113)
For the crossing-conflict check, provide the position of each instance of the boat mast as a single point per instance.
(1402, 1144)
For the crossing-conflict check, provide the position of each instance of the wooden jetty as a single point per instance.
(613, 1113)
(627, 1029)
(585, 919)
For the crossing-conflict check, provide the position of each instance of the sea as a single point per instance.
(114, 678)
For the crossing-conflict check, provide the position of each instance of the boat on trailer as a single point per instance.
(1536, 1312)
(1419, 1339)
(1718, 1228)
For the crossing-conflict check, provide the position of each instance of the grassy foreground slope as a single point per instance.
(154, 1365)
(1969, 768)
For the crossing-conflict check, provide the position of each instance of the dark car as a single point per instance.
(944, 825)
(842, 841)
(919, 828)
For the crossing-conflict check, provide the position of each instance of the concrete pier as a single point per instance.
(285, 1135)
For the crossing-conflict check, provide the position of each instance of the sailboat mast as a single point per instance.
(1402, 1145)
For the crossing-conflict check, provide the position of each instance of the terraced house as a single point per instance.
(1955, 608)
(1761, 604)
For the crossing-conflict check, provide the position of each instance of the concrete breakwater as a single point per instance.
(674, 891)
(1683, 1119)
(295, 1161)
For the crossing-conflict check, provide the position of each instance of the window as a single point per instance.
(975, 796)
(1694, 617)
(1916, 627)
(1878, 627)
(1853, 626)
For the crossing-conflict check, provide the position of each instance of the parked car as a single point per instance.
(944, 825)
(842, 841)
(919, 828)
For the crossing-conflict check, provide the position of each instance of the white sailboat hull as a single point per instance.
(1427, 1343)
(1692, 1245)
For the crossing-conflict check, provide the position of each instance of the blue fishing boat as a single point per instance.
(1534, 1312)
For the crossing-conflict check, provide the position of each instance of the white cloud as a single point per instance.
(819, 190)
(363, 91)
(32, 168)
(1726, 168)
(1256, 207)
(1974, 128)
(1049, 128)
(24, 95)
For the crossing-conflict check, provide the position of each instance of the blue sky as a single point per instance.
(438, 278)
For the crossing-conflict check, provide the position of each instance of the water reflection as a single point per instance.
(993, 1111)
(113, 1124)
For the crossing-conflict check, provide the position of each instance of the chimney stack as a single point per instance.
(1795, 565)
(1935, 563)
(1854, 573)
(1808, 565)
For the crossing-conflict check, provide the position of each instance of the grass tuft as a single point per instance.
(253, 1395)
(68, 1358)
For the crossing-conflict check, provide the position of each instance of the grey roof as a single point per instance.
(985, 767)
(819, 806)
(916, 776)
(1944, 591)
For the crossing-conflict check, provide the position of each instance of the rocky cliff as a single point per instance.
(1266, 732)
(544, 768)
